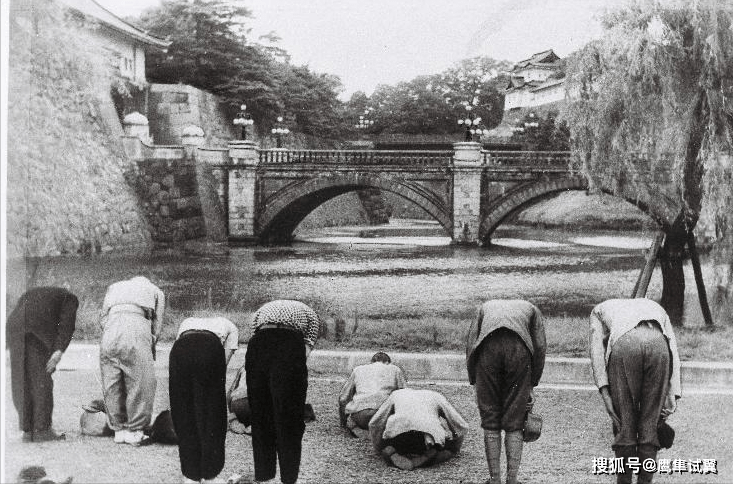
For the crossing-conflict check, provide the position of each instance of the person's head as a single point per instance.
(382, 357)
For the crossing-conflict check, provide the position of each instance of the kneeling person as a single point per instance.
(366, 389)
(415, 428)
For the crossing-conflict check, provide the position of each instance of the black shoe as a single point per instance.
(27, 437)
(47, 436)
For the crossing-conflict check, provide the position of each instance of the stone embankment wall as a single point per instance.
(67, 190)
(172, 107)
(170, 194)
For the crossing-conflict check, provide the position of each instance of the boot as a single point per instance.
(513, 443)
(646, 451)
(492, 445)
(625, 451)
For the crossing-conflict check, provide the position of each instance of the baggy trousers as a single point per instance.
(503, 381)
(197, 370)
(277, 383)
(638, 377)
(32, 385)
(128, 371)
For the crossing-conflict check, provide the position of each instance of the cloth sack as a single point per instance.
(93, 420)
(162, 430)
(532, 424)
(665, 434)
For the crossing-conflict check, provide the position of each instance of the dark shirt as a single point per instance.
(48, 313)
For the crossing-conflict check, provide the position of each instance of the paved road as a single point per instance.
(576, 430)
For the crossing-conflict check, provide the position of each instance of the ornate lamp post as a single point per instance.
(243, 119)
(278, 130)
(472, 124)
(363, 122)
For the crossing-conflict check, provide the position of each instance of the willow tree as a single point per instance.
(654, 99)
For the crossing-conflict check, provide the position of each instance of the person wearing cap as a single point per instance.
(285, 332)
(38, 332)
(366, 389)
(505, 357)
(132, 317)
(197, 371)
(417, 428)
(636, 367)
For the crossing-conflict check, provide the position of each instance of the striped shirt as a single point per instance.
(291, 313)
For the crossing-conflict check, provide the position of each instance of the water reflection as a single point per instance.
(377, 277)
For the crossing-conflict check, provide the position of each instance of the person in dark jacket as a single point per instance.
(38, 332)
(505, 353)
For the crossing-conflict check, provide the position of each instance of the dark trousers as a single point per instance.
(197, 370)
(277, 383)
(638, 377)
(32, 385)
(503, 381)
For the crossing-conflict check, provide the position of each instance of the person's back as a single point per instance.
(374, 383)
(419, 422)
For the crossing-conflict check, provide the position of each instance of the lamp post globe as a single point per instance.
(243, 119)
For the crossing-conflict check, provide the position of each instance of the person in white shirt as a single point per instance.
(416, 428)
(197, 371)
(636, 367)
(366, 389)
(132, 318)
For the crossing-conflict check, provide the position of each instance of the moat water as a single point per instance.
(380, 276)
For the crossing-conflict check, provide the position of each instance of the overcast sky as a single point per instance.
(371, 42)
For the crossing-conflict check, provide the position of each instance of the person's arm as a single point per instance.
(675, 384)
(64, 330)
(598, 341)
(599, 335)
(231, 342)
(473, 333)
(379, 422)
(311, 332)
(537, 333)
(347, 393)
(157, 323)
(608, 403)
(401, 381)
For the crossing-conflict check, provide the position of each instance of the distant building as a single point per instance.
(125, 43)
(536, 81)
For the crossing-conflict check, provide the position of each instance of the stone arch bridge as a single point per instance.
(470, 192)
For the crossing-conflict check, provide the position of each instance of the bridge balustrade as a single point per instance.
(358, 157)
(527, 159)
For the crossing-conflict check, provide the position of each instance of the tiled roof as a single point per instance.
(92, 9)
(544, 57)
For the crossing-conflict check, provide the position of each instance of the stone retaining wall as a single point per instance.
(170, 194)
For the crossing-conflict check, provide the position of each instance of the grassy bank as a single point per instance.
(566, 336)
(576, 209)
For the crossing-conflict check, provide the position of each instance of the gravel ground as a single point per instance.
(575, 431)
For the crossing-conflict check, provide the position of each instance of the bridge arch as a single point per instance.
(285, 209)
(661, 209)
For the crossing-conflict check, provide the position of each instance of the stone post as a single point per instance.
(192, 137)
(242, 190)
(135, 124)
(466, 192)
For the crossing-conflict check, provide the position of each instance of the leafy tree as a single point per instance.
(479, 81)
(210, 50)
(660, 83)
(432, 104)
(542, 134)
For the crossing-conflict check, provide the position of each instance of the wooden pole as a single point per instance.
(701, 292)
(642, 283)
